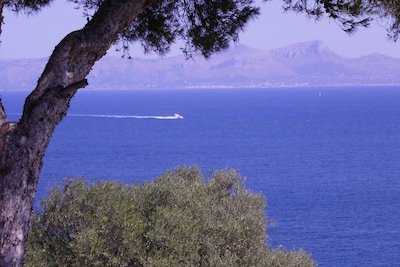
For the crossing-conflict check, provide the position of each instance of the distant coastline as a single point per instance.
(309, 64)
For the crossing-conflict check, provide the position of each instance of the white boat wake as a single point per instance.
(173, 117)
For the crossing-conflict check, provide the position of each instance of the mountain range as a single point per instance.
(302, 64)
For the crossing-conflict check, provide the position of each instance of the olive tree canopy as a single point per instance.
(182, 218)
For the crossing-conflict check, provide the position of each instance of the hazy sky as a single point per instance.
(36, 36)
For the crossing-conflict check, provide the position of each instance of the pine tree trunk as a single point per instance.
(23, 144)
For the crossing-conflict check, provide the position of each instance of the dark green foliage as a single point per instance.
(351, 14)
(156, 29)
(27, 6)
(205, 26)
(177, 220)
(392, 17)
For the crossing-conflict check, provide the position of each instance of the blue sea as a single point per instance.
(326, 159)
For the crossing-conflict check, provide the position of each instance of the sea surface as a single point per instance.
(326, 159)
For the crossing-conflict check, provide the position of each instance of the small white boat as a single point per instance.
(178, 116)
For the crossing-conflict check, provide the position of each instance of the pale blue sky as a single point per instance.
(36, 36)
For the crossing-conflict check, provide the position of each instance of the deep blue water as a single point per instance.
(327, 159)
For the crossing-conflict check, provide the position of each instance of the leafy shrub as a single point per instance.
(177, 220)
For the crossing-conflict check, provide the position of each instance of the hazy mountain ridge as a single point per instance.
(302, 64)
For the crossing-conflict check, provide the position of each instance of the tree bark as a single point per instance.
(23, 143)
